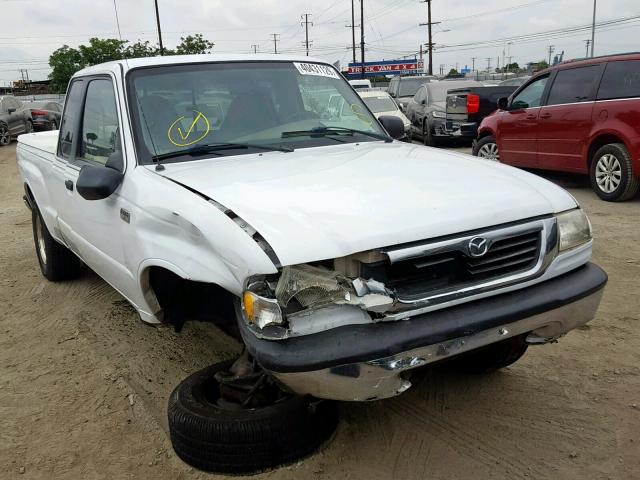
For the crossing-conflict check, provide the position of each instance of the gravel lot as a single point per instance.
(84, 383)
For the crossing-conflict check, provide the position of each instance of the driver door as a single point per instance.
(95, 228)
(518, 129)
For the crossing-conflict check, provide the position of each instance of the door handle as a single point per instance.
(68, 184)
(545, 115)
(531, 117)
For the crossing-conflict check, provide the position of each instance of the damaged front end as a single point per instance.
(310, 298)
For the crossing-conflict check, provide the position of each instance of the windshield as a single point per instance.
(438, 91)
(177, 107)
(409, 86)
(380, 104)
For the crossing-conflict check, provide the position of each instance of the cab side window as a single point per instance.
(574, 86)
(531, 95)
(420, 95)
(620, 80)
(100, 133)
(69, 121)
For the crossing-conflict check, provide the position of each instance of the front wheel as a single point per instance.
(5, 136)
(28, 127)
(54, 125)
(487, 147)
(611, 173)
(427, 135)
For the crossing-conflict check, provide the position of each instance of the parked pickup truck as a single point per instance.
(467, 107)
(222, 188)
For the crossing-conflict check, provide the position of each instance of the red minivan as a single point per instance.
(579, 116)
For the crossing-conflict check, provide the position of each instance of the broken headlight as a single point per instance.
(574, 229)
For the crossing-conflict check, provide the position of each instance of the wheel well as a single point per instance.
(28, 196)
(600, 142)
(182, 300)
(484, 133)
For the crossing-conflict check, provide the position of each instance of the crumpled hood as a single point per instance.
(327, 202)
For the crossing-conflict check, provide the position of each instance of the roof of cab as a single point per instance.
(132, 63)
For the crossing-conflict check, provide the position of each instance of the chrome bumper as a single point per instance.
(383, 378)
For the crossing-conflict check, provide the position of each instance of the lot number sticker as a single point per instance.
(316, 69)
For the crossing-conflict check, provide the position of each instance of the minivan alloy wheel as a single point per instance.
(489, 151)
(608, 173)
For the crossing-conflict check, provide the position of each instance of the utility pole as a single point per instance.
(593, 27)
(488, 63)
(159, 30)
(255, 48)
(551, 50)
(442, 68)
(473, 64)
(353, 30)
(498, 63)
(588, 42)
(306, 29)
(430, 43)
(275, 41)
(420, 52)
(362, 35)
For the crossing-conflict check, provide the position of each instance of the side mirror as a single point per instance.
(503, 103)
(97, 183)
(10, 110)
(393, 125)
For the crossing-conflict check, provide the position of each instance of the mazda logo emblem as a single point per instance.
(478, 246)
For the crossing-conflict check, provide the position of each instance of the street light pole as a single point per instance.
(593, 27)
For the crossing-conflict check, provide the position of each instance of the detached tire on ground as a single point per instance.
(492, 357)
(209, 434)
(56, 261)
(611, 173)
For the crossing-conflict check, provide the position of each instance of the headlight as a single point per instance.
(261, 311)
(574, 229)
(438, 114)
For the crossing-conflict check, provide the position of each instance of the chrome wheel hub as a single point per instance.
(608, 173)
(490, 152)
(4, 135)
(40, 240)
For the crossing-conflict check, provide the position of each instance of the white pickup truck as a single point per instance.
(224, 188)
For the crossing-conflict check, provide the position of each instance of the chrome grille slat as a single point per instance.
(486, 261)
(501, 266)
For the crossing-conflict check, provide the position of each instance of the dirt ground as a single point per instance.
(84, 383)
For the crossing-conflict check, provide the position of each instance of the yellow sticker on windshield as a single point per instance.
(359, 112)
(196, 131)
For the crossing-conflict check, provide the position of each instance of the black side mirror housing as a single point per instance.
(10, 110)
(393, 125)
(503, 103)
(96, 182)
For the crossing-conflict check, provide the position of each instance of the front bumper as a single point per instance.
(368, 362)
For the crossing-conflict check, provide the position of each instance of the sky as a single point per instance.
(36, 28)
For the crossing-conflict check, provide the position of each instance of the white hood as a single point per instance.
(327, 202)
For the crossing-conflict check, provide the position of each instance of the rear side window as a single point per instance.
(70, 120)
(620, 80)
(574, 86)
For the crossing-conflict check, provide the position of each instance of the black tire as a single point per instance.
(28, 127)
(54, 125)
(56, 261)
(427, 136)
(243, 441)
(621, 171)
(481, 148)
(492, 357)
(5, 136)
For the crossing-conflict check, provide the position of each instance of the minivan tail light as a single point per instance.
(473, 103)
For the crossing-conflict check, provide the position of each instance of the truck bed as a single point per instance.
(457, 102)
(46, 142)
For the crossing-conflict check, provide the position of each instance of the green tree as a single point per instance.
(541, 65)
(453, 71)
(194, 44)
(141, 49)
(102, 50)
(65, 61)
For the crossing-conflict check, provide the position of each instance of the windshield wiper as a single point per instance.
(200, 149)
(324, 131)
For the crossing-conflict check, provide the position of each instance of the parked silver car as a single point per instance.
(14, 119)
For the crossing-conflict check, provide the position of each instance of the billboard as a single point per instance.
(387, 67)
